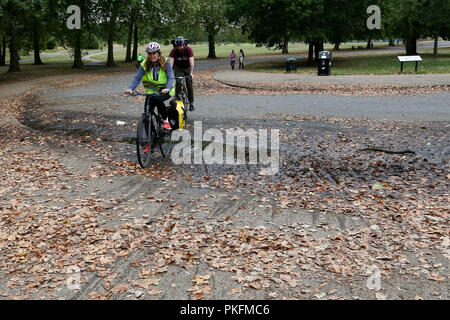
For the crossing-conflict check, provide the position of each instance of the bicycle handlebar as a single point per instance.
(137, 93)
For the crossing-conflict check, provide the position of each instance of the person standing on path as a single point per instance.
(232, 59)
(241, 59)
(182, 59)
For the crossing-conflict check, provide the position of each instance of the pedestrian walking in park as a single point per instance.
(232, 59)
(241, 59)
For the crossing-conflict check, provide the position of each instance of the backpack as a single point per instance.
(177, 115)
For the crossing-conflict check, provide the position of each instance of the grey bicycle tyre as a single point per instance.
(144, 140)
(165, 142)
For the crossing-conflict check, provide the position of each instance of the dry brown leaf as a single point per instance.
(201, 279)
(145, 273)
(436, 277)
(120, 288)
(154, 292)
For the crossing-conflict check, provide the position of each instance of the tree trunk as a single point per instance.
(36, 47)
(411, 45)
(14, 65)
(77, 62)
(436, 42)
(318, 46)
(212, 47)
(391, 43)
(369, 43)
(130, 36)
(285, 46)
(110, 60)
(311, 54)
(111, 30)
(3, 52)
(336, 46)
(135, 43)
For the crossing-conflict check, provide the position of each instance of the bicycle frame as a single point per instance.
(148, 113)
(152, 123)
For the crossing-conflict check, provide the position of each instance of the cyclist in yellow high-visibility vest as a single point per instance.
(157, 76)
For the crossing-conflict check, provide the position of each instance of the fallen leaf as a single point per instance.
(200, 279)
(320, 295)
(154, 292)
(436, 277)
(120, 288)
(145, 273)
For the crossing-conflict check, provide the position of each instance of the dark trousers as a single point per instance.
(158, 101)
(182, 72)
(232, 64)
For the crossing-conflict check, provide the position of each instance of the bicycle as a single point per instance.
(183, 94)
(149, 132)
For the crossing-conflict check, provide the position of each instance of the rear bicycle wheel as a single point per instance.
(144, 139)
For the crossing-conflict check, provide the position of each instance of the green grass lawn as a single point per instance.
(200, 50)
(48, 56)
(54, 65)
(378, 64)
(60, 66)
(370, 63)
(30, 71)
(223, 50)
(30, 54)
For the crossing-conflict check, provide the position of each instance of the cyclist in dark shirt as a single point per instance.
(181, 59)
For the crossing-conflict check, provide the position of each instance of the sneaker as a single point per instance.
(166, 125)
(191, 107)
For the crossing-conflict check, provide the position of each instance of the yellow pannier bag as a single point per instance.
(177, 115)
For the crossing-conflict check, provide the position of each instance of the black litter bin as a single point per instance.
(291, 64)
(324, 63)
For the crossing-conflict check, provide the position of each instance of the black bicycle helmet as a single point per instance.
(180, 41)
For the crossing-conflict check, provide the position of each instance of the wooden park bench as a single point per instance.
(403, 59)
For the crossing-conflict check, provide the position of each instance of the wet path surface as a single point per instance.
(430, 108)
(105, 96)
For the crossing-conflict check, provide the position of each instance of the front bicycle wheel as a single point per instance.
(185, 100)
(144, 145)
(165, 142)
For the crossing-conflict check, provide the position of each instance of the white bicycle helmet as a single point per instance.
(152, 47)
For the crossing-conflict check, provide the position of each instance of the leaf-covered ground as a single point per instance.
(72, 194)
